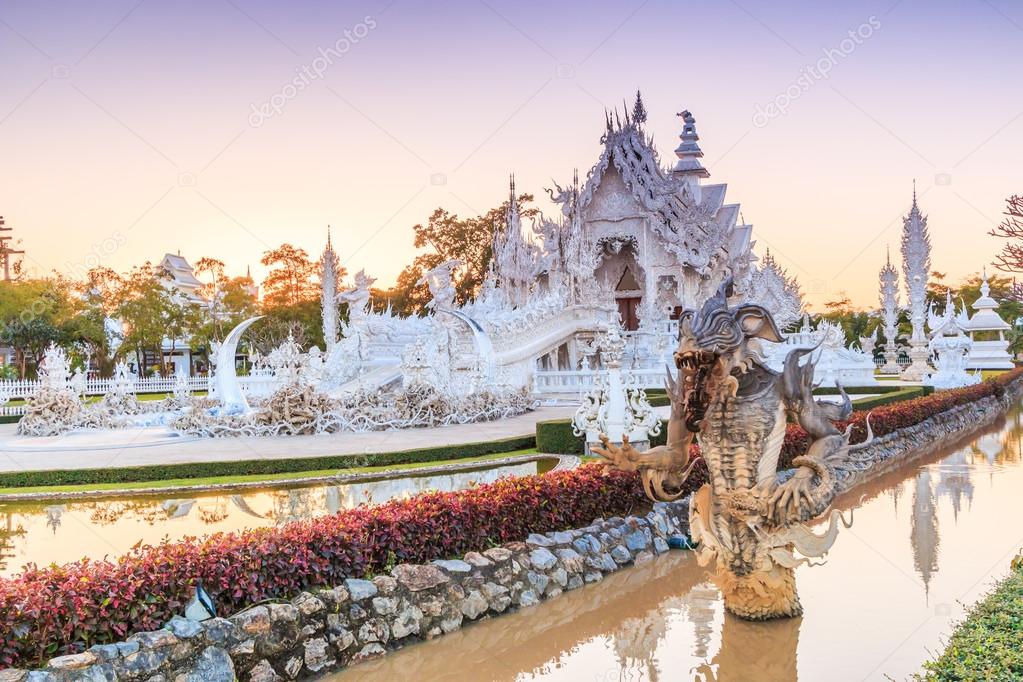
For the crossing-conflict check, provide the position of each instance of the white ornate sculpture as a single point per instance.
(515, 259)
(916, 265)
(889, 299)
(330, 268)
(869, 342)
(439, 281)
(611, 408)
(949, 347)
(834, 363)
(990, 349)
(772, 287)
(182, 387)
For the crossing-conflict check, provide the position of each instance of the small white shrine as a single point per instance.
(949, 347)
(990, 349)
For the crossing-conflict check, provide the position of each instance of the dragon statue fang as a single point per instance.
(749, 519)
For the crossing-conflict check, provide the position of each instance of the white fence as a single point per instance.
(574, 382)
(259, 383)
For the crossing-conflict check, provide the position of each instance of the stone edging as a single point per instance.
(564, 462)
(900, 447)
(328, 629)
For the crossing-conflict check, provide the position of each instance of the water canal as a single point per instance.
(63, 531)
(926, 540)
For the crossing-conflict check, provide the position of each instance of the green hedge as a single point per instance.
(10, 418)
(554, 437)
(161, 472)
(904, 393)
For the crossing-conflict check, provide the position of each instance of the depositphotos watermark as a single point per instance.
(310, 72)
(810, 74)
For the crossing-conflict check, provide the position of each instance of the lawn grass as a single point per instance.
(987, 645)
(269, 478)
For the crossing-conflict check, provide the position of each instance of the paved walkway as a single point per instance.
(139, 447)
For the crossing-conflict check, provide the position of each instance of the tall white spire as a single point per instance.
(330, 265)
(916, 266)
(889, 299)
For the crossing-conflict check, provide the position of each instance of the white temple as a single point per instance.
(635, 243)
(987, 331)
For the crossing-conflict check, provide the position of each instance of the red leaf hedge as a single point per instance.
(50, 611)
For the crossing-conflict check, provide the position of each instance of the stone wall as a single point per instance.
(328, 629)
(896, 449)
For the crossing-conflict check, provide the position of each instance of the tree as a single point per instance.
(145, 307)
(292, 279)
(33, 314)
(448, 236)
(854, 323)
(291, 298)
(1011, 228)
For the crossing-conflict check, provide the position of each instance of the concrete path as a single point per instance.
(139, 447)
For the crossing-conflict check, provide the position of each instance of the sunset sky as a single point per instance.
(131, 129)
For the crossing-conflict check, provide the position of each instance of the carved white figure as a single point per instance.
(439, 281)
(949, 347)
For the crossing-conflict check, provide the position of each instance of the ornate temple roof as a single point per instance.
(693, 219)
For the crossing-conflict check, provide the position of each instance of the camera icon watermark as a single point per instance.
(438, 179)
(187, 179)
(942, 179)
(565, 71)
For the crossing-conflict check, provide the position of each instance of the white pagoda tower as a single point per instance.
(987, 329)
(916, 266)
(889, 299)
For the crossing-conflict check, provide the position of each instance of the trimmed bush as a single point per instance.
(50, 611)
(903, 393)
(555, 437)
(141, 474)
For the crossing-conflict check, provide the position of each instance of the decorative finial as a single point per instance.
(638, 110)
(329, 246)
(888, 250)
(689, 152)
(914, 193)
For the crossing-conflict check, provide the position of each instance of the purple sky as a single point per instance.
(130, 129)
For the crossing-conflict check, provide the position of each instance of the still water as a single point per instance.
(59, 532)
(925, 540)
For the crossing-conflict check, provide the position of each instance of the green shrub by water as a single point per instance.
(988, 645)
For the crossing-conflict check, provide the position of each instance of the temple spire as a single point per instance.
(689, 152)
(638, 110)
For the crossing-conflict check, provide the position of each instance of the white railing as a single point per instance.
(27, 388)
(578, 381)
(902, 361)
(259, 384)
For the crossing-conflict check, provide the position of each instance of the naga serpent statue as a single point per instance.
(749, 519)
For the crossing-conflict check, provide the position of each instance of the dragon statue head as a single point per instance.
(717, 348)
